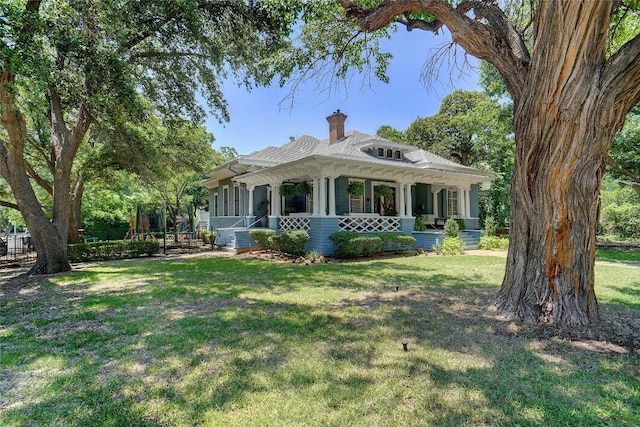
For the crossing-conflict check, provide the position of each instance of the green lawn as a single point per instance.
(241, 342)
(629, 256)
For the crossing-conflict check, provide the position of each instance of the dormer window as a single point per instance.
(388, 153)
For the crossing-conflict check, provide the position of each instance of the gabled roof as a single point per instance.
(353, 148)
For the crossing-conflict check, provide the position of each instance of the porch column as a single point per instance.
(409, 202)
(467, 203)
(323, 196)
(461, 199)
(402, 206)
(275, 200)
(316, 196)
(434, 193)
(332, 196)
(250, 190)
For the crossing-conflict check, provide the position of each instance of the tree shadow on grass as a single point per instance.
(184, 347)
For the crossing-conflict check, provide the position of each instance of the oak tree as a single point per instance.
(571, 88)
(100, 61)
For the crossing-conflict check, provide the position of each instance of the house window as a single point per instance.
(214, 205)
(380, 152)
(236, 201)
(398, 155)
(389, 153)
(225, 201)
(452, 202)
(356, 203)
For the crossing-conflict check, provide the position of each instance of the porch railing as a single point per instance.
(294, 223)
(369, 224)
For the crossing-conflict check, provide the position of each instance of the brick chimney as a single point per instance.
(336, 126)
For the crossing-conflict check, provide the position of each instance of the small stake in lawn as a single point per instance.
(405, 346)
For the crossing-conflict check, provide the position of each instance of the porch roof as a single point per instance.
(353, 155)
(307, 168)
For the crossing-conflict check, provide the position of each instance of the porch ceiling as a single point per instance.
(315, 166)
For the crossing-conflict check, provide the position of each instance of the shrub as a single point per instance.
(489, 226)
(452, 246)
(207, 237)
(367, 245)
(437, 247)
(622, 221)
(351, 244)
(313, 256)
(493, 243)
(342, 242)
(291, 242)
(262, 238)
(419, 224)
(451, 227)
(114, 249)
(396, 241)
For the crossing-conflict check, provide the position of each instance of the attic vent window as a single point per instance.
(389, 153)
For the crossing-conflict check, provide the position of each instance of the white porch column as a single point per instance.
(408, 200)
(461, 208)
(434, 193)
(250, 190)
(332, 196)
(322, 193)
(402, 207)
(276, 203)
(467, 203)
(316, 196)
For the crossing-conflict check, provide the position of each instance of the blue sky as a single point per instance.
(257, 119)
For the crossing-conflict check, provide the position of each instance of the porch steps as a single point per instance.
(226, 239)
(470, 240)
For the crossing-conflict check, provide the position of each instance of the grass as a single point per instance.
(241, 342)
(628, 256)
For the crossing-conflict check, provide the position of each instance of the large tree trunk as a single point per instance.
(49, 243)
(564, 122)
(554, 210)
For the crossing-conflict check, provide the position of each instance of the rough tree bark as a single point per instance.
(49, 244)
(569, 101)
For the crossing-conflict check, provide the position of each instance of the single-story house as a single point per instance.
(348, 181)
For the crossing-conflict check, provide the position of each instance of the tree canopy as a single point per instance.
(101, 63)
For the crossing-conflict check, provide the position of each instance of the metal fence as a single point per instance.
(16, 249)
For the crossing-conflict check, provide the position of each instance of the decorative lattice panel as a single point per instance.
(294, 223)
(369, 224)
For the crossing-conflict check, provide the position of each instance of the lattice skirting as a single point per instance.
(294, 223)
(369, 225)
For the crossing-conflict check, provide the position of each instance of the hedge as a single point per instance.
(396, 241)
(113, 249)
(351, 244)
(291, 242)
(262, 238)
